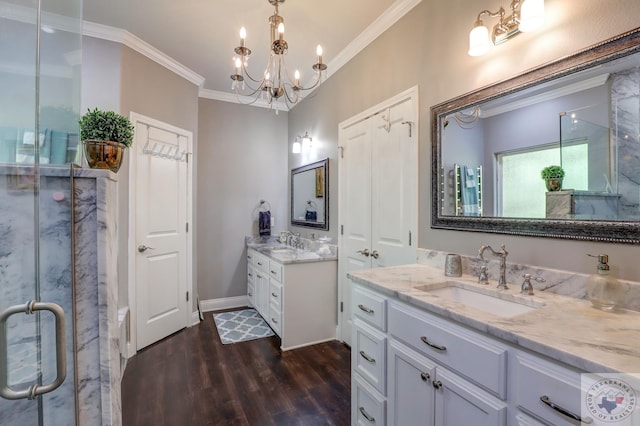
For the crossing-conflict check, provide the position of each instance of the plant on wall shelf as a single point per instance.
(105, 135)
(552, 176)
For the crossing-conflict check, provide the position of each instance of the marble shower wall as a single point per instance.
(625, 120)
(96, 345)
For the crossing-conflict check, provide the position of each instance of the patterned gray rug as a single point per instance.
(241, 326)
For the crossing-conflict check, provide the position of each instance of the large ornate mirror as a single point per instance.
(581, 113)
(310, 195)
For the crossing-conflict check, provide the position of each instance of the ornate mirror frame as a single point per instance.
(591, 230)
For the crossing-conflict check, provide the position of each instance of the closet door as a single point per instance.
(393, 186)
(378, 193)
(355, 216)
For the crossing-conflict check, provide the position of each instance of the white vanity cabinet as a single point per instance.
(441, 374)
(258, 266)
(297, 299)
(417, 368)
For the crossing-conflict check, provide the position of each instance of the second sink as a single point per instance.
(488, 300)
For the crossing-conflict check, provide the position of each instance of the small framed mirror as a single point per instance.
(310, 195)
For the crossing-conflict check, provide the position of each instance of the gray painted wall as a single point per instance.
(433, 54)
(242, 159)
(115, 77)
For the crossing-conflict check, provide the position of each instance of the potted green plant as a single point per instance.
(552, 176)
(105, 135)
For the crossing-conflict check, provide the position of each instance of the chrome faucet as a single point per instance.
(502, 254)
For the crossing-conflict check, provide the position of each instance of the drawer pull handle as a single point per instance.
(366, 415)
(365, 309)
(370, 360)
(274, 295)
(545, 399)
(273, 272)
(274, 320)
(259, 263)
(433, 345)
(425, 377)
(250, 294)
(437, 384)
(259, 276)
(250, 274)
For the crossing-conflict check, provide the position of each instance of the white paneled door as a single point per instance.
(160, 247)
(378, 175)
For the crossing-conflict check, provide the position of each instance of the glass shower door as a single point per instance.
(39, 79)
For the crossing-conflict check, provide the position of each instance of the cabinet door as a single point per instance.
(262, 293)
(458, 402)
(411, 393)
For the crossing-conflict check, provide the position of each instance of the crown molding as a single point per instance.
(238, 99)
(390, 16)
(118, 35)
(569, 89)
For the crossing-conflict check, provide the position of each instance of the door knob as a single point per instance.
(375, 254)
(142, 248)
(364, 252)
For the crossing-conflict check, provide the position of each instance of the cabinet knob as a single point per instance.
(425, 377)
(364, 252)
(375, 254)
(437, 384)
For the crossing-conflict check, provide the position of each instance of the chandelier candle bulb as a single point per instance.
(281, 31)
(296, 77)
(243, 36)
(319, 53)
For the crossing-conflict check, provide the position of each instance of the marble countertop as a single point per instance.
(566, 329)
(282, 253)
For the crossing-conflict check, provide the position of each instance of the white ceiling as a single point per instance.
(201, 35)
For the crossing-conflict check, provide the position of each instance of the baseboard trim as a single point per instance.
(223, 303)
(195, 318)
(331, 339)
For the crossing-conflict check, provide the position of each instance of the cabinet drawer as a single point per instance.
(275, 270)
(261, 262)
(275, 294)
(251, 291)
(368, 355)
(368, 408)
(250, 256)
(275, 320)
(474, 356)
(251, 273)
(369, 307)
(535, 378)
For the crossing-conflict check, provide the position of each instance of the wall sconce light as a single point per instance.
(526, 16)
(302, 143)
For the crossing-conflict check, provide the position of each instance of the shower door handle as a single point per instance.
(34, 390)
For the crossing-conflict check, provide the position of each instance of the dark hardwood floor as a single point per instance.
(191, 378)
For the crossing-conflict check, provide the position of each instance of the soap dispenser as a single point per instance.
(603, 289)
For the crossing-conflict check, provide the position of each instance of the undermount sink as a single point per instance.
(485, 299)
(292, 253)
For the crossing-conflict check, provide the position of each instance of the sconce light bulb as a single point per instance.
(531, 15)
(479, 42)
(296, 148)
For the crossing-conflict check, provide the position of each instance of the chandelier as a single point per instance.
(276, 83)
